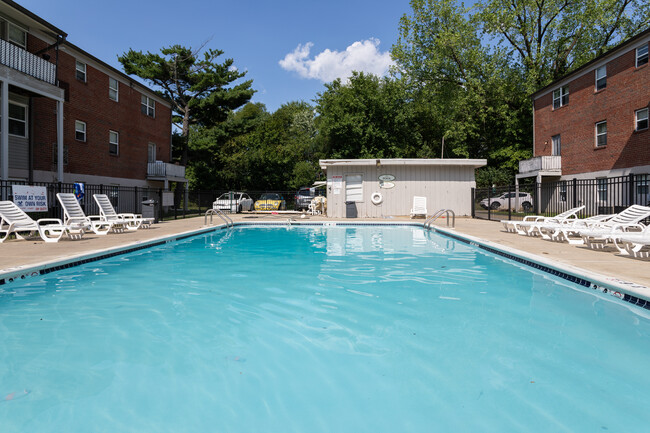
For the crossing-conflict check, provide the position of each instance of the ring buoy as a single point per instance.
(376, 198)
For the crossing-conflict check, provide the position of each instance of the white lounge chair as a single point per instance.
(73, 214)
(531, 223)
(601, 234)
(14, 220)
(419, 206)
(129, 221)
(636, 244)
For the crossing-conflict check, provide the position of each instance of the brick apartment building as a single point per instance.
(72, 117)
(593, 124)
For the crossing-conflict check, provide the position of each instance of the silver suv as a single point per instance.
(305, 195)
(525, 201)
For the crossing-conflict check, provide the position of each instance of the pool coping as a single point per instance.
(630, 292)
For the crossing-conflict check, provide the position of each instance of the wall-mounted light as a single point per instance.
(378, 162)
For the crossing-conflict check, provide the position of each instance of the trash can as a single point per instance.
(150, 210)
(350, 209)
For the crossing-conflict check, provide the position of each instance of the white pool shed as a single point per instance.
(377, 188)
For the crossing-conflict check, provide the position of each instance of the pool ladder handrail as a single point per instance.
(435, 216)
(218, 212)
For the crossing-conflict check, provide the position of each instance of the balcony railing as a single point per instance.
(23, 61)
(541, 163)
(165, 170)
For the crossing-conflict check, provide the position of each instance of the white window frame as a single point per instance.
(556, 145)
(641, 55)
(22, 44)
(81, 68)
(357, 197)
(639, 119)
(115, 89)
(77, 123)
(116, 143)
(601, 134)
(601, 189)
(25, 120)
(148, 106)
(601, 78)
(561, 96)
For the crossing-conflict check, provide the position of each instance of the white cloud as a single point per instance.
(329, 65)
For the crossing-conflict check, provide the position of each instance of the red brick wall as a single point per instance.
(628, 89)
(89, 102)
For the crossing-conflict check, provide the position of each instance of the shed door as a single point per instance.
(354, 187)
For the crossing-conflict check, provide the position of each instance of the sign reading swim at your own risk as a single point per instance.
(337, 184)
(30, 198)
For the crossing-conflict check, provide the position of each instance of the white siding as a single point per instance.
(445, 187)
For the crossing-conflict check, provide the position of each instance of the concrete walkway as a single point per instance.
(20, 253)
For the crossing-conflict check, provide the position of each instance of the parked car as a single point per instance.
(233, 202)
(305, 195)
(501, 202)
(270, 201)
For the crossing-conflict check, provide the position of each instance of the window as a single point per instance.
(557, 145)
(601, 134)
(563, 191)
(17, 120)
(17, 35)
(112, 88)
(81, 71)
(602, 189)
(354, 187)
(601, 78)
(80, 130)
(560, 97)
(148, 106)
(113, 142)
(642, 55)
(641, 119)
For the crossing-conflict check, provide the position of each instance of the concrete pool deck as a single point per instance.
(17, 254)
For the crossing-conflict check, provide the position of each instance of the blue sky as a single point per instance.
(322, 39)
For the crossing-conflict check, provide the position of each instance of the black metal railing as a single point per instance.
(128, 199)
(598, 196)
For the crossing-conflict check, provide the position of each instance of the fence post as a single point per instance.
(135, 199)
(510, 202)
(160, 208)
(198, 199)
(473, 202)
(575, 192)
(631, 199)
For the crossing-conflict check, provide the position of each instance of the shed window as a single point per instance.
(354, 187)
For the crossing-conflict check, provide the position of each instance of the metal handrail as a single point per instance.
(225, 218)
(435, 216)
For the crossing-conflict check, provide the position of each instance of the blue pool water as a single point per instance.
(318, 329)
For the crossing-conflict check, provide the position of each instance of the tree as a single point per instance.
(553, 37)
(367, 117)
(197, 87)
(473, 93)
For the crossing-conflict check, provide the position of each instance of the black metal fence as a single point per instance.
(598, 196)
(126, 199)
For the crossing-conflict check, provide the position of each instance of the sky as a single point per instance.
(289, 48)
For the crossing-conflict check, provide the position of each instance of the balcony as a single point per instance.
(23, 61)
(548, 165)
(165, 171)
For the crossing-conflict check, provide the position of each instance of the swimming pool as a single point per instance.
(318, 329)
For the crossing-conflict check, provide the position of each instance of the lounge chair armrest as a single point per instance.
(49, 220)
(533, 218)
(95, 218)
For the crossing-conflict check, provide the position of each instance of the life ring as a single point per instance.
(376, 198)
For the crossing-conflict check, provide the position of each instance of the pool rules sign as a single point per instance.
(30, 198)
